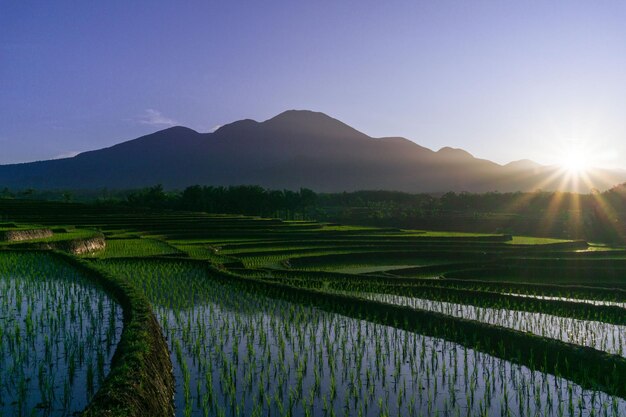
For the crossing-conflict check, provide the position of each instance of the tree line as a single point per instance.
(245, 199)
(598, 216)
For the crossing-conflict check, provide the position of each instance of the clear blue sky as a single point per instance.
(503, 80)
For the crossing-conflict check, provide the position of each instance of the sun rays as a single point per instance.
(574, 201)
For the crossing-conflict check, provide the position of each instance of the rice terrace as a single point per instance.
(313, 208)
(234, 315)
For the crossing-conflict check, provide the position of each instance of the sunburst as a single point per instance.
(575, 160)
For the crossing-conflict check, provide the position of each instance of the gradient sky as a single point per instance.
(503, 80)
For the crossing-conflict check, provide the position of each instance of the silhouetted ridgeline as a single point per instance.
(291, 150)
(596, 216)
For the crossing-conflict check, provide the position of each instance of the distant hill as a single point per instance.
(292, 150)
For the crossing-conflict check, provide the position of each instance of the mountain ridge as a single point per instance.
(296, 148)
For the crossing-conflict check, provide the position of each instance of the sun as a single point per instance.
(574, 160)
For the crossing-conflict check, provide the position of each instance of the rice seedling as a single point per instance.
(598, 335)
(54, 326)
(277, 345)
(135, 247)
(237, 352)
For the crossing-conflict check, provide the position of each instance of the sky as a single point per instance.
(503, 80)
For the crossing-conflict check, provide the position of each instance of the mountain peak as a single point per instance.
(294, 114)
(177, 129)
(297, 148)
(310, 123)
(454, 152)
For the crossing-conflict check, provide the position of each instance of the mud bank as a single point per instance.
(22, 235)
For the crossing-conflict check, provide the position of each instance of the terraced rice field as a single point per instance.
(264, 317)
(58, 333)
(116, 248)
(237, 352)
(596, 334)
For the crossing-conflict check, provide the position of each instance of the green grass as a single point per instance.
(436, 233)
(431, 233)
(528, 240)
(346, 228)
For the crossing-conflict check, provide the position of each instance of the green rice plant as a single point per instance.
(50, 340)
(235, 343)
(121, 248)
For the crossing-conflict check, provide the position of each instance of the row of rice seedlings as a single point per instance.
(379, 240)
(336, 260)
(449, 251)
(550, 290)
(578, 300)
(598, 335)
(366, 268)
(217, 242)
(287, 248)
(604, 274)
(57, 336)
(203, 251)
(567, 292)
(272, 260)
(135, 247)
(238, 353)
(608, 312)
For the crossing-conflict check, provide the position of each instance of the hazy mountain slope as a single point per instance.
(294, 149)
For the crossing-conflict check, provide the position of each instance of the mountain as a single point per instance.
(292, 150)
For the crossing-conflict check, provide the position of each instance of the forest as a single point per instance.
(597, 216)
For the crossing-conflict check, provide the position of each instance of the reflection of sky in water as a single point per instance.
(259, 355)
(49, 319)
(575, 300)
(237, 353)
(602, 336)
